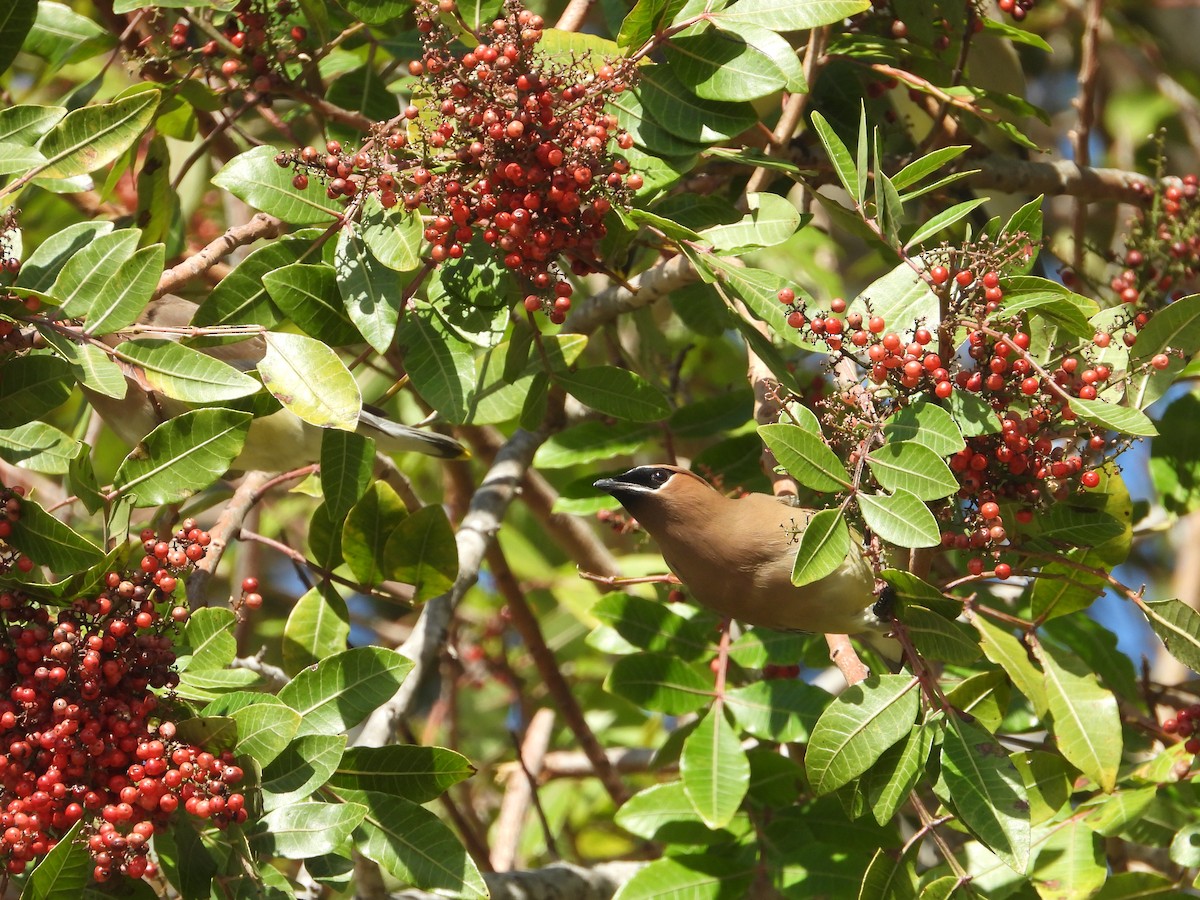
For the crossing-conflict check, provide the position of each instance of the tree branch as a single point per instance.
(260, 226)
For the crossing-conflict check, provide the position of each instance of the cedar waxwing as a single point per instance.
(736, 555)
(277, 442)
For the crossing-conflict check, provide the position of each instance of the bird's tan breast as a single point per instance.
(742, 569)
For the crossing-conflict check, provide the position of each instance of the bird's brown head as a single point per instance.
(655, 495)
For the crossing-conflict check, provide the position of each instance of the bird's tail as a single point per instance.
(392, 437)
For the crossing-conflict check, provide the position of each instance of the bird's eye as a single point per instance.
(659, 477)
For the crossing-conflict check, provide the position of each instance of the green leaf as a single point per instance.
(241, 298)
(660, 682)
(414, 772)
(39, 447)
(857, 727)
(616, 392)
(913, 467)
(310, 380)
(441, 366)
(889, 785)
(926, 165)
(663, 812)
(422, 552)
(60, 35)
(1178, 626)
(839, 155)
(318, 626)
(824, 545)
(806, 457)
(370, 290)
(341, 690)
(900, 518)
(1010, 654)
(1047, 778)
(305, 829)
(65, 871)
(720, 65)
(689, 876)
(393, 235)
(90, 365)
(181, 456)
(591, 442)
(1175, 455)
(759, 290)
(771, 220)
(794, 15)
(347, 464)
(924, 422)
(673, 107)
(127, 294)
(939, 638)
(85, 277)
(714, 769)
(415, 846)
(265, 729)
(254, 178)
(1117, 418)
(1069, 863)
(94, 136)
(31, 386)
(650, 625)
(779, 710)
(40, 270)
(209, 638)
(15, 21)
(304, 765)
(1137, 886)
(944, 220)
(983, 787)
(973, 415)
(903, 299)
(776, 49)
(367, 529)
(157, 200)
(185, 374)
(50, 542)
(646, 17)
(888, 878)
(1175, 327)
(308, 295)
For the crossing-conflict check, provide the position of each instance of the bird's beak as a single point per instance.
(606, 484)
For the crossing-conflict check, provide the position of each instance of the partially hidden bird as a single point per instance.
(277, 442)
(735, 555)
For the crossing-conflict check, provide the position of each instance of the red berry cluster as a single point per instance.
(10, 512)
(882, 19)
(1162, 257)
(1018, 9)
(254, 43)
(83, 733)
(1186, 723)
(250, 597)
(1026, 463)
(509, 145)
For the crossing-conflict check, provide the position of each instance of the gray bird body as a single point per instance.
(736, 555)
(277, 442)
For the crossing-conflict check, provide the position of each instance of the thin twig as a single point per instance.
(526, 624)
(522, 792)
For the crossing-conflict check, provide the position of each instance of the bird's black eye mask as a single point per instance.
(651, 477)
